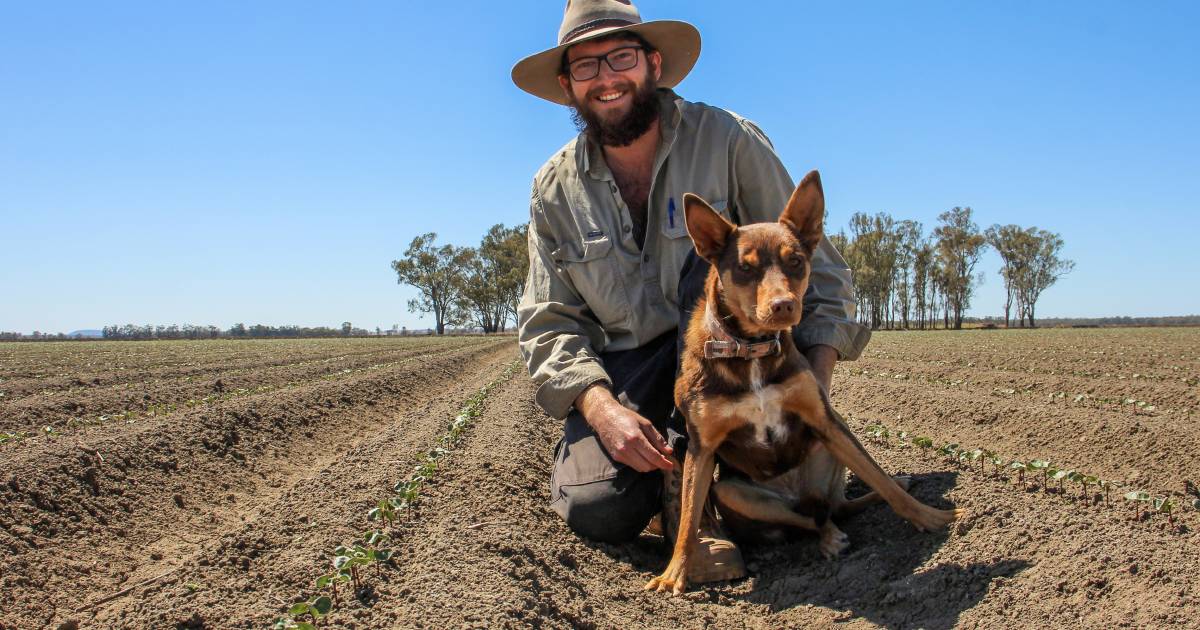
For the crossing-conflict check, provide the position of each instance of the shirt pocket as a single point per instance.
(676, 247)
(596, 274)
(674, 224)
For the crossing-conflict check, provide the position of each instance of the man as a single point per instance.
(610, 274)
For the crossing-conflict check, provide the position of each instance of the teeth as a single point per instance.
(611, 97)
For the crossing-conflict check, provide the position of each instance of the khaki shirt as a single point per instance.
(590, 289)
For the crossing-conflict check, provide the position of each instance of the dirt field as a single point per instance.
(207, 483)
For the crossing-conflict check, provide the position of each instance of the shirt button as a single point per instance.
(646, 258)
(628, 229)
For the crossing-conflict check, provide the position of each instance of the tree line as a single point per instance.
(904, 278)
(237, 331)
(467, 286)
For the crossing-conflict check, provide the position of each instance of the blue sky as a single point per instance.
(211, 163)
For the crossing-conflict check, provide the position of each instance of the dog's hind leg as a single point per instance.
(850, 507)
(805, 398)
(760, 504)
(748, 501)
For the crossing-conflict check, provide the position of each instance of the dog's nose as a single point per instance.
(782, 305)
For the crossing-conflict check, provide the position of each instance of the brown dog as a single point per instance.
(750, 395)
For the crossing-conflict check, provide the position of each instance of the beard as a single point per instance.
(624, 130)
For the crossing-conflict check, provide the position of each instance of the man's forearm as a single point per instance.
(822, 358)
(595, 396)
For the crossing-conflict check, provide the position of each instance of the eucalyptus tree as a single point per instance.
(959, 245)
(438, 274)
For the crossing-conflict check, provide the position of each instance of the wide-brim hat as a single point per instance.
(678, 42)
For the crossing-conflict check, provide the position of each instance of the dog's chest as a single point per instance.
(769, 425)
(769, 441)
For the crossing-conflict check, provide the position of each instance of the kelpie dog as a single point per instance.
(750, 396)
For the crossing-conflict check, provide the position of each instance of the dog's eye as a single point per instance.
(795, 261)
(744, 267)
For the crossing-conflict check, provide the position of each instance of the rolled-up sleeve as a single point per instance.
(556, 332)
(762, 188)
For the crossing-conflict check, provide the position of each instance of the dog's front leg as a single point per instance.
(697, 477)
(805, 398)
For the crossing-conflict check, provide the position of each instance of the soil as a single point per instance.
(230, 510)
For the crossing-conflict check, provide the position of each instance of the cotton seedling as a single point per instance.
(1107, 485)
(1137, 498)
(1196, 503)
(386, 510)
(1088, 480)
(340, 576)
(925, 444)
(361, 554)
(1166, 506)
(950, 450)
(315, 609)
(1020, 467)
(977, 455)
(1063, 475)
(878, 433)
(997, 462)
(1043, 466)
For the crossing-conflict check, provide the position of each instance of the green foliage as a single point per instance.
(438, 275)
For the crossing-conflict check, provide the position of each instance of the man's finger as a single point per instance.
(656, 439)
(635, 458)
(653, 456)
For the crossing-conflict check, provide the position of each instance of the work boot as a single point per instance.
(716, 558)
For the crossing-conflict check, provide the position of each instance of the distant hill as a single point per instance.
(89, 332)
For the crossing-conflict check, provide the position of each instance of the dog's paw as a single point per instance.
(672, 581)
(833, 542)
(928, 519)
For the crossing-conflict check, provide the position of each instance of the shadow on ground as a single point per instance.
(879, 578)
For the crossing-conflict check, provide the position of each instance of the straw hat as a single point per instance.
(679, 43)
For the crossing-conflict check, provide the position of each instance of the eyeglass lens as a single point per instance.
(619, 59)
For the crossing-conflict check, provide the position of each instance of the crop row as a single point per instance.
(349, 561)
(967, 458)
(164, 409)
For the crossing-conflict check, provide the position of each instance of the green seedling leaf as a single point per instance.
(322, 605)
(298, 609)
(341, 561)
(1038, 464)
(1137, 495)
(1062, 474)
(383, 555)
(1196, 503)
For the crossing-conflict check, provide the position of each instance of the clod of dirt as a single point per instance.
(70, 624)
(178, 498)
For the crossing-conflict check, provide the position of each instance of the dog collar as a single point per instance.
(726, 346)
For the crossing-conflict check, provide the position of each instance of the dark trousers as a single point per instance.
(603, 499)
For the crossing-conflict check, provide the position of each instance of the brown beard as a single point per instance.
(630, 127)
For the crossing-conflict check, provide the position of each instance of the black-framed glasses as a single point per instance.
(619, 59)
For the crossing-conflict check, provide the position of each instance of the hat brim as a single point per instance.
(679, 43)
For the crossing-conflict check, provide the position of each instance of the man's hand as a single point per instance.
(628, 437)
(822, 358)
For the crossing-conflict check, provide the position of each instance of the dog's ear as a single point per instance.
(805, 211)
(708, 229)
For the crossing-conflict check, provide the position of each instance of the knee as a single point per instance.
(609, 511)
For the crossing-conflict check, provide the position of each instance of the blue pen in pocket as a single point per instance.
(671, 212)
